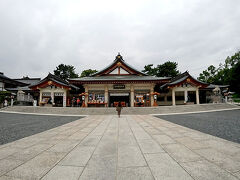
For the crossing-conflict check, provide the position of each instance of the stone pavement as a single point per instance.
(131, 147)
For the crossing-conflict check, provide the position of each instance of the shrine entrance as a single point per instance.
(119, 97)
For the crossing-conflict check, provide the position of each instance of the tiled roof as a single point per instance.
(180, 78)
(114, 78)
(8, 80)
(29, 81)
(213, 86)
(56, 79)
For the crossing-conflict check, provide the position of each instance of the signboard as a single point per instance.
(119, 94)
(46, 94)
(118, 86)
(58, 94)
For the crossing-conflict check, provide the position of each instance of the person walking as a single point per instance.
(119, 108)
(78, 102)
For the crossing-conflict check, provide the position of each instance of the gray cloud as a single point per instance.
(36, 36)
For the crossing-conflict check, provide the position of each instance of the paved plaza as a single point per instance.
(131, 147)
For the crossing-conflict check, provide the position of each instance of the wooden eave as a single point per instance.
(189, 80)
(49, 83)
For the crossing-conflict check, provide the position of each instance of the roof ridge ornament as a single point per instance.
(119, 57)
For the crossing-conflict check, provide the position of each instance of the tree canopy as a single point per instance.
(88, 72)
(65, 71)
(226, 74)
(167, 69)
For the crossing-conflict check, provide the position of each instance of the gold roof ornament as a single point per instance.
(188, 79)
(119, 63)
(49, 82)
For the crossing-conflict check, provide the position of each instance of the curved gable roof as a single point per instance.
(182, 78)
(119, 63)
(55, 80)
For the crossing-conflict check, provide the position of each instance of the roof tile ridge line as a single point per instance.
(180, 76)
(198, 80)
(27, 79)
(59, 79)
(13, 80)
(50, 76)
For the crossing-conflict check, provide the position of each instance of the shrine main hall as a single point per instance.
(121, 82)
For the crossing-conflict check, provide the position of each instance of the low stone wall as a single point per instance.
(128, 110)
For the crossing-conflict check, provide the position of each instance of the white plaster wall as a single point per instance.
(53, 90)
(1, 86)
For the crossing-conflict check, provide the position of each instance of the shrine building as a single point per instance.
(120, 82)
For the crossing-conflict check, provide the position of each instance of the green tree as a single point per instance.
(167, 69)
(235, 78)
(150, 70)
(224, 73)
(88, 72)
(208, 75)
(65, 71)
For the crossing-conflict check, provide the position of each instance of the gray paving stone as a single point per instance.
(163, 139)
(29, 153)
(101, 168)
(127, 141)
(24, 143)
(64, 146)
(180, 153)
(63, 173)
(8, 164)
(36, 167)
(132, 173)
(164, 167)
(237, 174)
(79, 156)
(77, 136)
(174, 134)
(223, 146)
(221, 159)
(91, 141)
(191, 144)
(207, 171)
(141, 134)
(9, 178)
(7, 151)
(198, 136)
(107, 147)
(153, 131)
(130, 156)
(149, 146)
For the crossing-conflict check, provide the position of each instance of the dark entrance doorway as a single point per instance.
(116, 97)
(192, 96)
(58, 100)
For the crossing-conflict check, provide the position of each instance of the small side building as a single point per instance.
(182, 89)
(7, 83)
(28, 95)
(53, 91)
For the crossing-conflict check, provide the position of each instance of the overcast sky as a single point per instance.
(38, 35)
